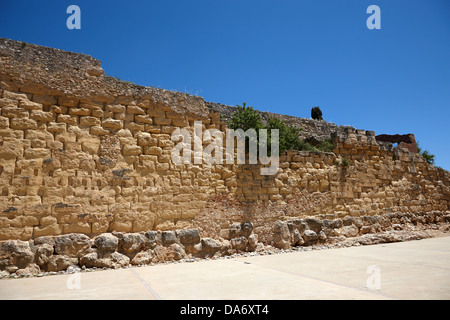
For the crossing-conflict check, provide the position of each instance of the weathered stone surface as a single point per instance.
(252, 242)
(168, 238)
(226, 247)
(350, 231)
(209, 246)
(240, 243)
(131, 243)
(314, 224)
(168, 253)
(332, 224)
(310, 235)
(119, 260)
(235, 230)
(115, 260)
(44, 240)
(43, 254)
(91, 260)
(367, 229)
(281, 235)
(85, 153)
(60, 262)
(16, 253)
(142, 258)
(106, 243)
(246, 229)
(72, 245)
(176, 252)
(189, 236)
(299, 224)
(31, 270)
(151, 238)
(143, 248)
(298, 239)
(112, 124)
(322, 236)
(357, 222)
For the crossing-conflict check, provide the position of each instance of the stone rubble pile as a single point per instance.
(310, 231)
(74, 252)
(118, 249)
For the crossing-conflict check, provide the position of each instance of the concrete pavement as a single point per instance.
(407, 270)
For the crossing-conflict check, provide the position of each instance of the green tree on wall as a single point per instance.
(429, 158)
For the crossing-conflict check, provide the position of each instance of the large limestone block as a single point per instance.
(16, 253)
(72, 245)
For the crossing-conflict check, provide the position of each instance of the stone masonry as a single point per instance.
(84, 155)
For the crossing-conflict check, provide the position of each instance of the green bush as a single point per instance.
(429, 158)
(288, 135)
(245, 118)
(345, 162)
(306, 146)
(326, 145)
(248, 118)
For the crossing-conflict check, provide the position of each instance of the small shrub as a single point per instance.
(306, 146)
(345, 162)
(429, 158)
(288, 135)
(326, 145)
(316, 113)
(245, 118)
(248, 118)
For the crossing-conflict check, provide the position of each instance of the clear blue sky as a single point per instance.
(279, 56)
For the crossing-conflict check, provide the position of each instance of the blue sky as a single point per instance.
(279, 56)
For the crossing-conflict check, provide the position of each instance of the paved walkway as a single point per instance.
(407, 270)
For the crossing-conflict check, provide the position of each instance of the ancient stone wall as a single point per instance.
(84, 153)
(407, 141)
